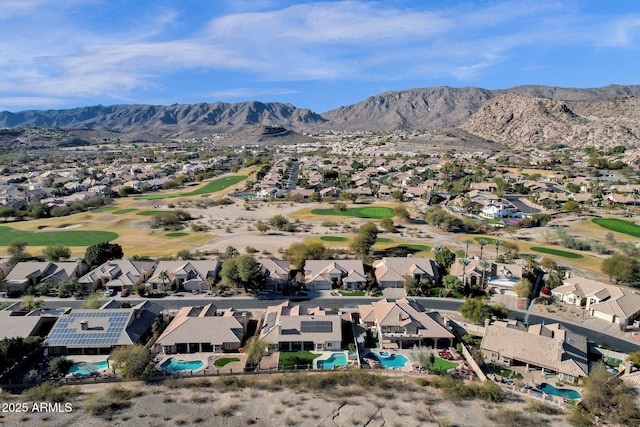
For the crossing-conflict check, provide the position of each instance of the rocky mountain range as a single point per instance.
(519, 116)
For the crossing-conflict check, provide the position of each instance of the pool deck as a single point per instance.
(208, 359)
(324, 355)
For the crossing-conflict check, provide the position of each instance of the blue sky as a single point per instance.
(317, 55)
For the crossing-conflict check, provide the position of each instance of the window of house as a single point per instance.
(328, 345)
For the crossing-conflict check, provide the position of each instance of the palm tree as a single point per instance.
(482, 242)
(464, 262)
(468, 242)
(485, 265)
(498, 243)
(164, 277)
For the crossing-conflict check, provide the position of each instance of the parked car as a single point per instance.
(110, 293)
(125, 293)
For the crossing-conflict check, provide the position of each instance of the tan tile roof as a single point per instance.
(550, 347)
(201, 325)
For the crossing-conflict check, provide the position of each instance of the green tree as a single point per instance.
(102, 252)
(231, 252)
(464, 262)
(255, 349)
(132, 362)
(279, 222)
(498, 243)
(451, 282)
(482, 242)
(59, 366)
(17, 252)
(445, 258)
(243, 271)
(620, 267)
(477, 311)
(298, 253)
(401, 212)
(609, 398)
(262, 227)
(571, 206)
(397, 194)
(523, 288)
(164, 277)
(184, 254)
(93, 301)
(29, 303)
(68, 287)
(634, 358)
(55, 253)
(387, 225)
(366, 238)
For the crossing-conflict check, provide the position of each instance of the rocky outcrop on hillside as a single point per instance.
(433, 108)
(521, 121)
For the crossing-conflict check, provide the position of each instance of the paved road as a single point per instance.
(441, 304)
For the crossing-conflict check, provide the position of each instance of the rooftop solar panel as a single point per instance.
(316, 326)
(104, 328)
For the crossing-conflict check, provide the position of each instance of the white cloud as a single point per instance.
(50, 55)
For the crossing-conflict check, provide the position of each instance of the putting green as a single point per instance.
(619, 225)
(152, 213)
(557, 252)
(373, 212)
(333, 239)
(48, 238)
(383, 240)
(177, 234)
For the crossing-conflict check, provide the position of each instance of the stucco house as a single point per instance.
(404, 323)
(28, 273)
(119, 274)
(188, 275)
(392, 272)
(550, 349)
(203, 329)
(289, 327)
(276, 272)
(607, 302)
(323, 274)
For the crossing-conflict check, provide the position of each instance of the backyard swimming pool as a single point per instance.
(177, 365)
(560, 392)
(388, 360)
(85, 368)
(336, 359)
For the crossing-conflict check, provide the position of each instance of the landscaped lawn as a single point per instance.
(557, 252)
(124, 211)
(619, 225)
(47, 238)
(103, 209)
(225, 361)
(353, 293)
(177, 234)
(211, 187)
(504, 372)
(415, 246)
(288, 359)
(333, 239)
(443, 364)
(373, 212)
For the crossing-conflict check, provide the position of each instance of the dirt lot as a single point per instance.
(167, 405)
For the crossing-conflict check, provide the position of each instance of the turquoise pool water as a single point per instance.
(560, 392)
(336, 359)
(177, 365)
(85, 368)
(389, 360)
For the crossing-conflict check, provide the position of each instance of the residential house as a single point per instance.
(16, 324)
(28, 273)
(325, 274)
(203, 329)
(551, 349)
(99, 331)
(405, 323)
(503, 277)
(276, 272)
(393, 272)
(185, 275)
(607, 302)
(118, 274)
(495, 211)
(289, 327)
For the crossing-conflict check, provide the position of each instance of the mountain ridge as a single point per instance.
(534, 120)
